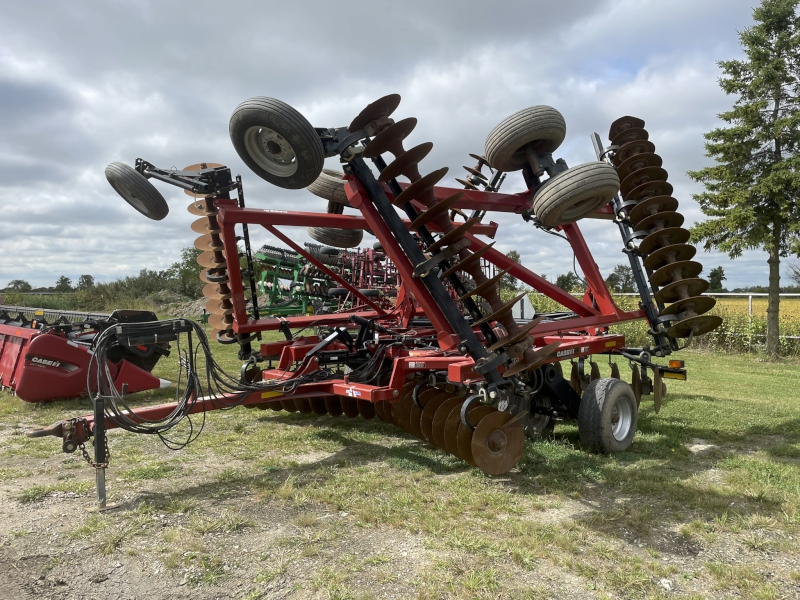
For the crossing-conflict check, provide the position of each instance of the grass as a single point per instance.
(612, 524)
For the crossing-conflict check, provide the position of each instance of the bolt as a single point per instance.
(395, 394)
(493, 395)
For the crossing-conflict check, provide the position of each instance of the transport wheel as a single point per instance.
(369, 293)
(276, 142)
(137, 191)
(575, 193)
(330, 186)
(378, 247)
(330, 251)
(338, 238)
(541, 127)
(337, 292)
(607, 415)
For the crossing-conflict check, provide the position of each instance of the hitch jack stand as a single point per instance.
(100, 456)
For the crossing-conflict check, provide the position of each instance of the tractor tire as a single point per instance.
(378, 247)
(330, 251)
(137, 191)
(607, 415)
(575, 193)
(330, 186)
(370, 293)
(338, 292)
(276, 142)
(542, 127)
(338, 238)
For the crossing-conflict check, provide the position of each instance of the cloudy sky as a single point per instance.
(86, 83)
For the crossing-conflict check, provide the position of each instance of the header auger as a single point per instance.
(447, 362)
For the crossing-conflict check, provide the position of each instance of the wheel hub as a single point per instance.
(271, 151)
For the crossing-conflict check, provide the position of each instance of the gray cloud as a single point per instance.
(86, 83)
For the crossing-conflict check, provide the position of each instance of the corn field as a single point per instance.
(740, 332)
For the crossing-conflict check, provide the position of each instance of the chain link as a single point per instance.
(88, 459)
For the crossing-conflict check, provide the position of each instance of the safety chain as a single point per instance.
(88, 459)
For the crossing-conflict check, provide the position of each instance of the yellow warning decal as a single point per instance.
(611, 344)
(266, 395)
(39, 313)
(678, 376)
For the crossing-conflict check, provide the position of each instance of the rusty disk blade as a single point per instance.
(632, 149)
(211, 260)
(663, 237)
(398, 166)
(466, 263)
(289, 405)
(498, 442)
(694, 325)
(205, 226)
(275, 405)
(394, 133)
(453, 235)
(661, 220)
(637, 162)
(476, 173)
(540, 356)
(440, 419)
(669, 254)
(518, 336)
(220, 275)
(642, 176)
(382, 107)
(219, 307)
(426, 417)
(683, 288)
(651, 206)
(695, 306)
(366, 409)
(505, 308)
(481, 159)
(634, 134)
(202, 207)
(384, 411)
(623, 124)
(220, 322)
(202, 165)
(435, 210)
(464, 437)
(303, 405)
(486, 285)
(415, 416)
(401, 411)
(684, 269)
(207, 243)
(333, 406)
(649, 190)
(421, 185)
(214, 291)
(318, 406)
(575, 379)
(349, 406)
(451, 430)
(614, 371)
(468, 185)
(636, 384)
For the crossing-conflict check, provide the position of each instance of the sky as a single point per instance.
(87, 83)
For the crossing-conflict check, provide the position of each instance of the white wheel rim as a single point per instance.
(621, 419)
(271, 151)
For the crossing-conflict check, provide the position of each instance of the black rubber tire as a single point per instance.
(597, 411)
(370, 293)
(575, 193)
(542, 126)
(378, 247)
(137, 191)
(330, 186)
(262, 121)
(338, 238)
(539, 427)
(330, 251)
(338, 292)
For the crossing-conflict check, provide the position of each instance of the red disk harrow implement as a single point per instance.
(447, 362)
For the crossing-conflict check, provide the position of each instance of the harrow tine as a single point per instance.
(614, 371)
(595, 372)
(486, 285)
(398, 166)
(498, 442)
(658, 392)
(349, 406)
(636, 384)
(467, 263)
(464, 437)
(435, 210)
(575, 379)
(366, 409)
(453, 235)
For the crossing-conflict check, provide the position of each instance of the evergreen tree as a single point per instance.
(63, 284)
(751, 193)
